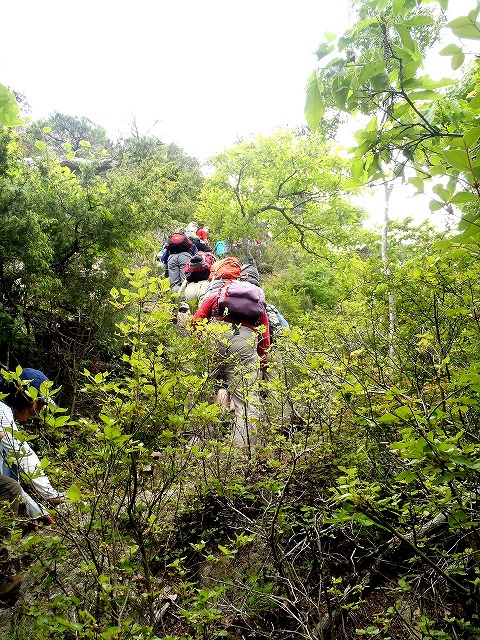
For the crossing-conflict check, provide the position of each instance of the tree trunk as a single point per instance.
(392, 312)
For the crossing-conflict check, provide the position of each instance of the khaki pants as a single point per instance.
(237, 364)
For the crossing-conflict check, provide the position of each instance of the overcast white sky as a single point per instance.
(206, 72)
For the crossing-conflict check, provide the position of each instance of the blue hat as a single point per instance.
(35, 378)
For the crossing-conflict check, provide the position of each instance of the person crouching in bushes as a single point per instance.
(20, 406)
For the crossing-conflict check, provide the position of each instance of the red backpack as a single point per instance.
(178, 243)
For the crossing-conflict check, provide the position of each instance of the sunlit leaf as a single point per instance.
(450, 50)
(314, 107)
(472, 136)
(458, 158)
(74, 494)
(463, 27)
(9, 109)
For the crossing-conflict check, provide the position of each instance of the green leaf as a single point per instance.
(381, 82)
(110, 633)
(226, 551)
(111, 432)
(365, 24)
(40, 144)
(468, 219)
(74, 494)
(407, 41)
(475, 102)
(450, 50)
(425, 94)
(463, 27)
(314, 107)
(469, 234)
(371, 70)
(463, 196)
(442, 192)
(471, 137)
(434, 205)
(405, 476)
(9, 109)
(388, 418)
(417, 183)
(443, 478)
(458, 60)
(323, 50)
(340, 97)
(458, 158)
(419, 21)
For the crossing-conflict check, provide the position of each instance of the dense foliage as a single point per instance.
(357, 514)
(69, 225)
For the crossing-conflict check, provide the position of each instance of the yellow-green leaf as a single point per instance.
(314, 107)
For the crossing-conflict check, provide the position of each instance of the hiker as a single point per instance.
(170, 246)
(36, 378)
(11, 492)
(203, 233)
(196, 283)
(18, 405)
(221, 272)
(242, 350)
(179, 249)
(276, 322)
(191, 231)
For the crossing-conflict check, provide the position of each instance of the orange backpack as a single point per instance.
(227, 269)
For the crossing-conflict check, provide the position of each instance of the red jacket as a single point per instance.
(207, 310)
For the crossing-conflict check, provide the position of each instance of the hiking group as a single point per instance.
(228, 293)
(214, 287)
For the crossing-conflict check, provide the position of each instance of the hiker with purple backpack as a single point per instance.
(242, 350)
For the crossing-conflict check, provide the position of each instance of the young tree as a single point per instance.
(294, 188)
(414, 122)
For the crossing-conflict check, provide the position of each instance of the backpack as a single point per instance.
(241, 301)
(178, 242)
(198, 267)
(276, 321)
(221, 248)
(201, 244)
(226, 269)
(213, 287)
(250, 274)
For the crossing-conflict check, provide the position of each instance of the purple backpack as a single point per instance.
(241, 300)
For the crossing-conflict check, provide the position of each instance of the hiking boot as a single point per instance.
(8, 586)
